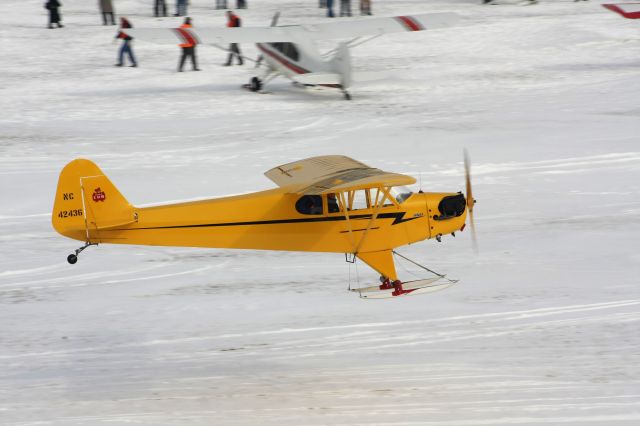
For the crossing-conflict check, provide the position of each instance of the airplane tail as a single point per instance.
(86, 202)
(341, 62)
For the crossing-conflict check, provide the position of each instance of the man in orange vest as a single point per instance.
(233, 21)
(188, 47)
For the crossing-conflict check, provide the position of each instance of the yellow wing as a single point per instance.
(332, 173)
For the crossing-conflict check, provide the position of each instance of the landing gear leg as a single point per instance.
(396, 285)
(346, 94)
(73, 258)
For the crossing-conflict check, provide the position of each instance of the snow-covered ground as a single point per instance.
(541, 329)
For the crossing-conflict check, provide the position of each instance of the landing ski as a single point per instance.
(409, 288)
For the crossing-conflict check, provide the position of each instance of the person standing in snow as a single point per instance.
(330, 13)
(160, 8)
(233, 21)
(54, 14)
(106, 8)
(365, 7)
(345, 7)
(181, 8)
(188, 49)
(126, 44)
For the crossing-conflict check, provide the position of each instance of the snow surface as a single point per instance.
(541, 330)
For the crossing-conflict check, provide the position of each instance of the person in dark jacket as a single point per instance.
(160, 8)
(126, 44)
(54, 13)
(233, 21)
(188, 48)
(106, 8)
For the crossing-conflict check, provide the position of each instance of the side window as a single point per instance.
(309, 204)
(359, 200)
(291, 51)
(288, 49)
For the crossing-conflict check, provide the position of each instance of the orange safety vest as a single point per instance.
(187, 44)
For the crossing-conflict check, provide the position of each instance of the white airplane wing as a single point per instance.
(322, 31)
(375, 26)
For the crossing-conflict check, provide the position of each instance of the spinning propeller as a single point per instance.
(469, 198)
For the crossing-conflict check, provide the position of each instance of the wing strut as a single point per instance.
(380, 261)
(229, 51)
(351, 43)
(346, 215)
(378, 203)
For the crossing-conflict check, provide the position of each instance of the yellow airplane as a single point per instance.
(322, 204)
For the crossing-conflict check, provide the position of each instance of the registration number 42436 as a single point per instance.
(70, 213)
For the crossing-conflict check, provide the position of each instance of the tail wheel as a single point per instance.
(255, 84)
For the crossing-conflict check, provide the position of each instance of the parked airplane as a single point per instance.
(290, 51)
(323, 204)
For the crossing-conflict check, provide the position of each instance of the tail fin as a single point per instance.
(86, 202)
(342, 64)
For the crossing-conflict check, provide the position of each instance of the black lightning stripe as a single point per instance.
(398, 218)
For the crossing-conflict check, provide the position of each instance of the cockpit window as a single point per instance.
(288, 49)
(309, 204)
(401, 193)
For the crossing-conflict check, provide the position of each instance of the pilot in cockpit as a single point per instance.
(332, 203)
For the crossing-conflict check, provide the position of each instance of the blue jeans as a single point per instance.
(181, 7)
(330, 8)
(126, 49)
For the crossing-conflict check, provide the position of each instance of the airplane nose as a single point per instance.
(451, 206)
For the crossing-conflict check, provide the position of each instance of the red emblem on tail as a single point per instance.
(98, 195)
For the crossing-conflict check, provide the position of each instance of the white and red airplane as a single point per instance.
(628, 10)
(291, 51)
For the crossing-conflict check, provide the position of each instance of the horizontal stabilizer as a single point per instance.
(315, 78)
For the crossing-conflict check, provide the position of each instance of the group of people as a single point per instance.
(345, 7)
(160, 8)
(107, 10)
(188, 46)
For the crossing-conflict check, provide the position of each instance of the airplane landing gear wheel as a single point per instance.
(73, 257)
(255, 85)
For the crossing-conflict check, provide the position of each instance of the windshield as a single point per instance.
(400, 193)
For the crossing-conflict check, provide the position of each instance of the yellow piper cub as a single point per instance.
(322, 204)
